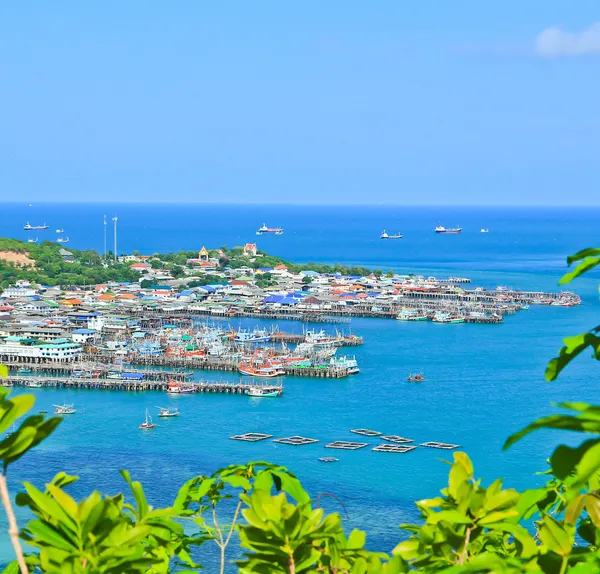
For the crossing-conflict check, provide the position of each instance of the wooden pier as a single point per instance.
(236, 388)
(62, 369)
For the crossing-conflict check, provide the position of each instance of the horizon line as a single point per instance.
(246, 204)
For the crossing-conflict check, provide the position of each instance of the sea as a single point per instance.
(483, 382)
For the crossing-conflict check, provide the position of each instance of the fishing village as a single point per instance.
(168, 323)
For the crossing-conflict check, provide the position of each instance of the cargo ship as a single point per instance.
(28, 227)
(265, 229)
(386, 235)
(447, 230)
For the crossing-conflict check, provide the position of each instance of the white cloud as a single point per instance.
(554, 42)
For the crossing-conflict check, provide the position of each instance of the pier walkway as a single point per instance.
(238, 388)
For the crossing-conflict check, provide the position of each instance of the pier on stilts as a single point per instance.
(236, 388)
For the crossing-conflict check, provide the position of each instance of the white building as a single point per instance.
(12, 349)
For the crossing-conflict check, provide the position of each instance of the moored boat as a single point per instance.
(266, 391)
(24, 371)
(175, 388)
(265, 370)
(62, 240)
(484, 230)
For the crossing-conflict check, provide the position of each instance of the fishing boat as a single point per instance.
(440, 230)
(416, 378)
(62, 240)
(347, 362)
(31, 240)
(411, 315)
(265, 370)
(65, 409)
(386, 235)
(440, 317)
(60, 231)
(167, 412)
(24, 371)
(484, 230)
(265, 229)
(28, 227)
(33, 384)
(257, 391)
(257, 336)
(147, 424)
(175, 388)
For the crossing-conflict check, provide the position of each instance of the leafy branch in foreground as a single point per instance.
(573, 346)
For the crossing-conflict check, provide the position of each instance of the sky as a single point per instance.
(343, 101)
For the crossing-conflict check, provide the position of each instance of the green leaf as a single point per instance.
(589, 252)
(555, 537)
(573, 347)
(520, 534)
(592, 505)
(584, 266)
(496, 516)
(3, 371)
(573, 510)
(138, 494)
(449, 516)
(50, 536)
(579, 423)
(13, 409)
(357, 539)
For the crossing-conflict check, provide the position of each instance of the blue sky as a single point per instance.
(341, 101)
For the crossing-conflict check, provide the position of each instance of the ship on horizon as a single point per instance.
(28, 227)
(386, 235)
(447, 230)
(265, 229)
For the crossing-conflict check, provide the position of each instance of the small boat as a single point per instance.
(34, 384)
(62, 240)
(386, 235)
(64, 409)
(175, 388)
(329, 459)
(258, 336)
(440, 230)
(265, 229)
(60, 231)
(447, 318)
(31, 240)
(263, 371)
(24, 371)
(416, 378)
(257, 391)
(147, 424)
(484, 230)
(167, 412)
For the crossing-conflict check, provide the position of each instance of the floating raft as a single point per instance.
(396, 448)
(329, 459)
(346, 445)
(442, 445)
(396, 438)
(251, 436)
(296, 440)
(366, 432)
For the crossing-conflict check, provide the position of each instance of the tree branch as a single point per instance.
(13, 529)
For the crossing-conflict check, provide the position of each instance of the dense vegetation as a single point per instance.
(468, 528)
(88, 267)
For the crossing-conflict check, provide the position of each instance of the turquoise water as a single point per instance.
(483, 383)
